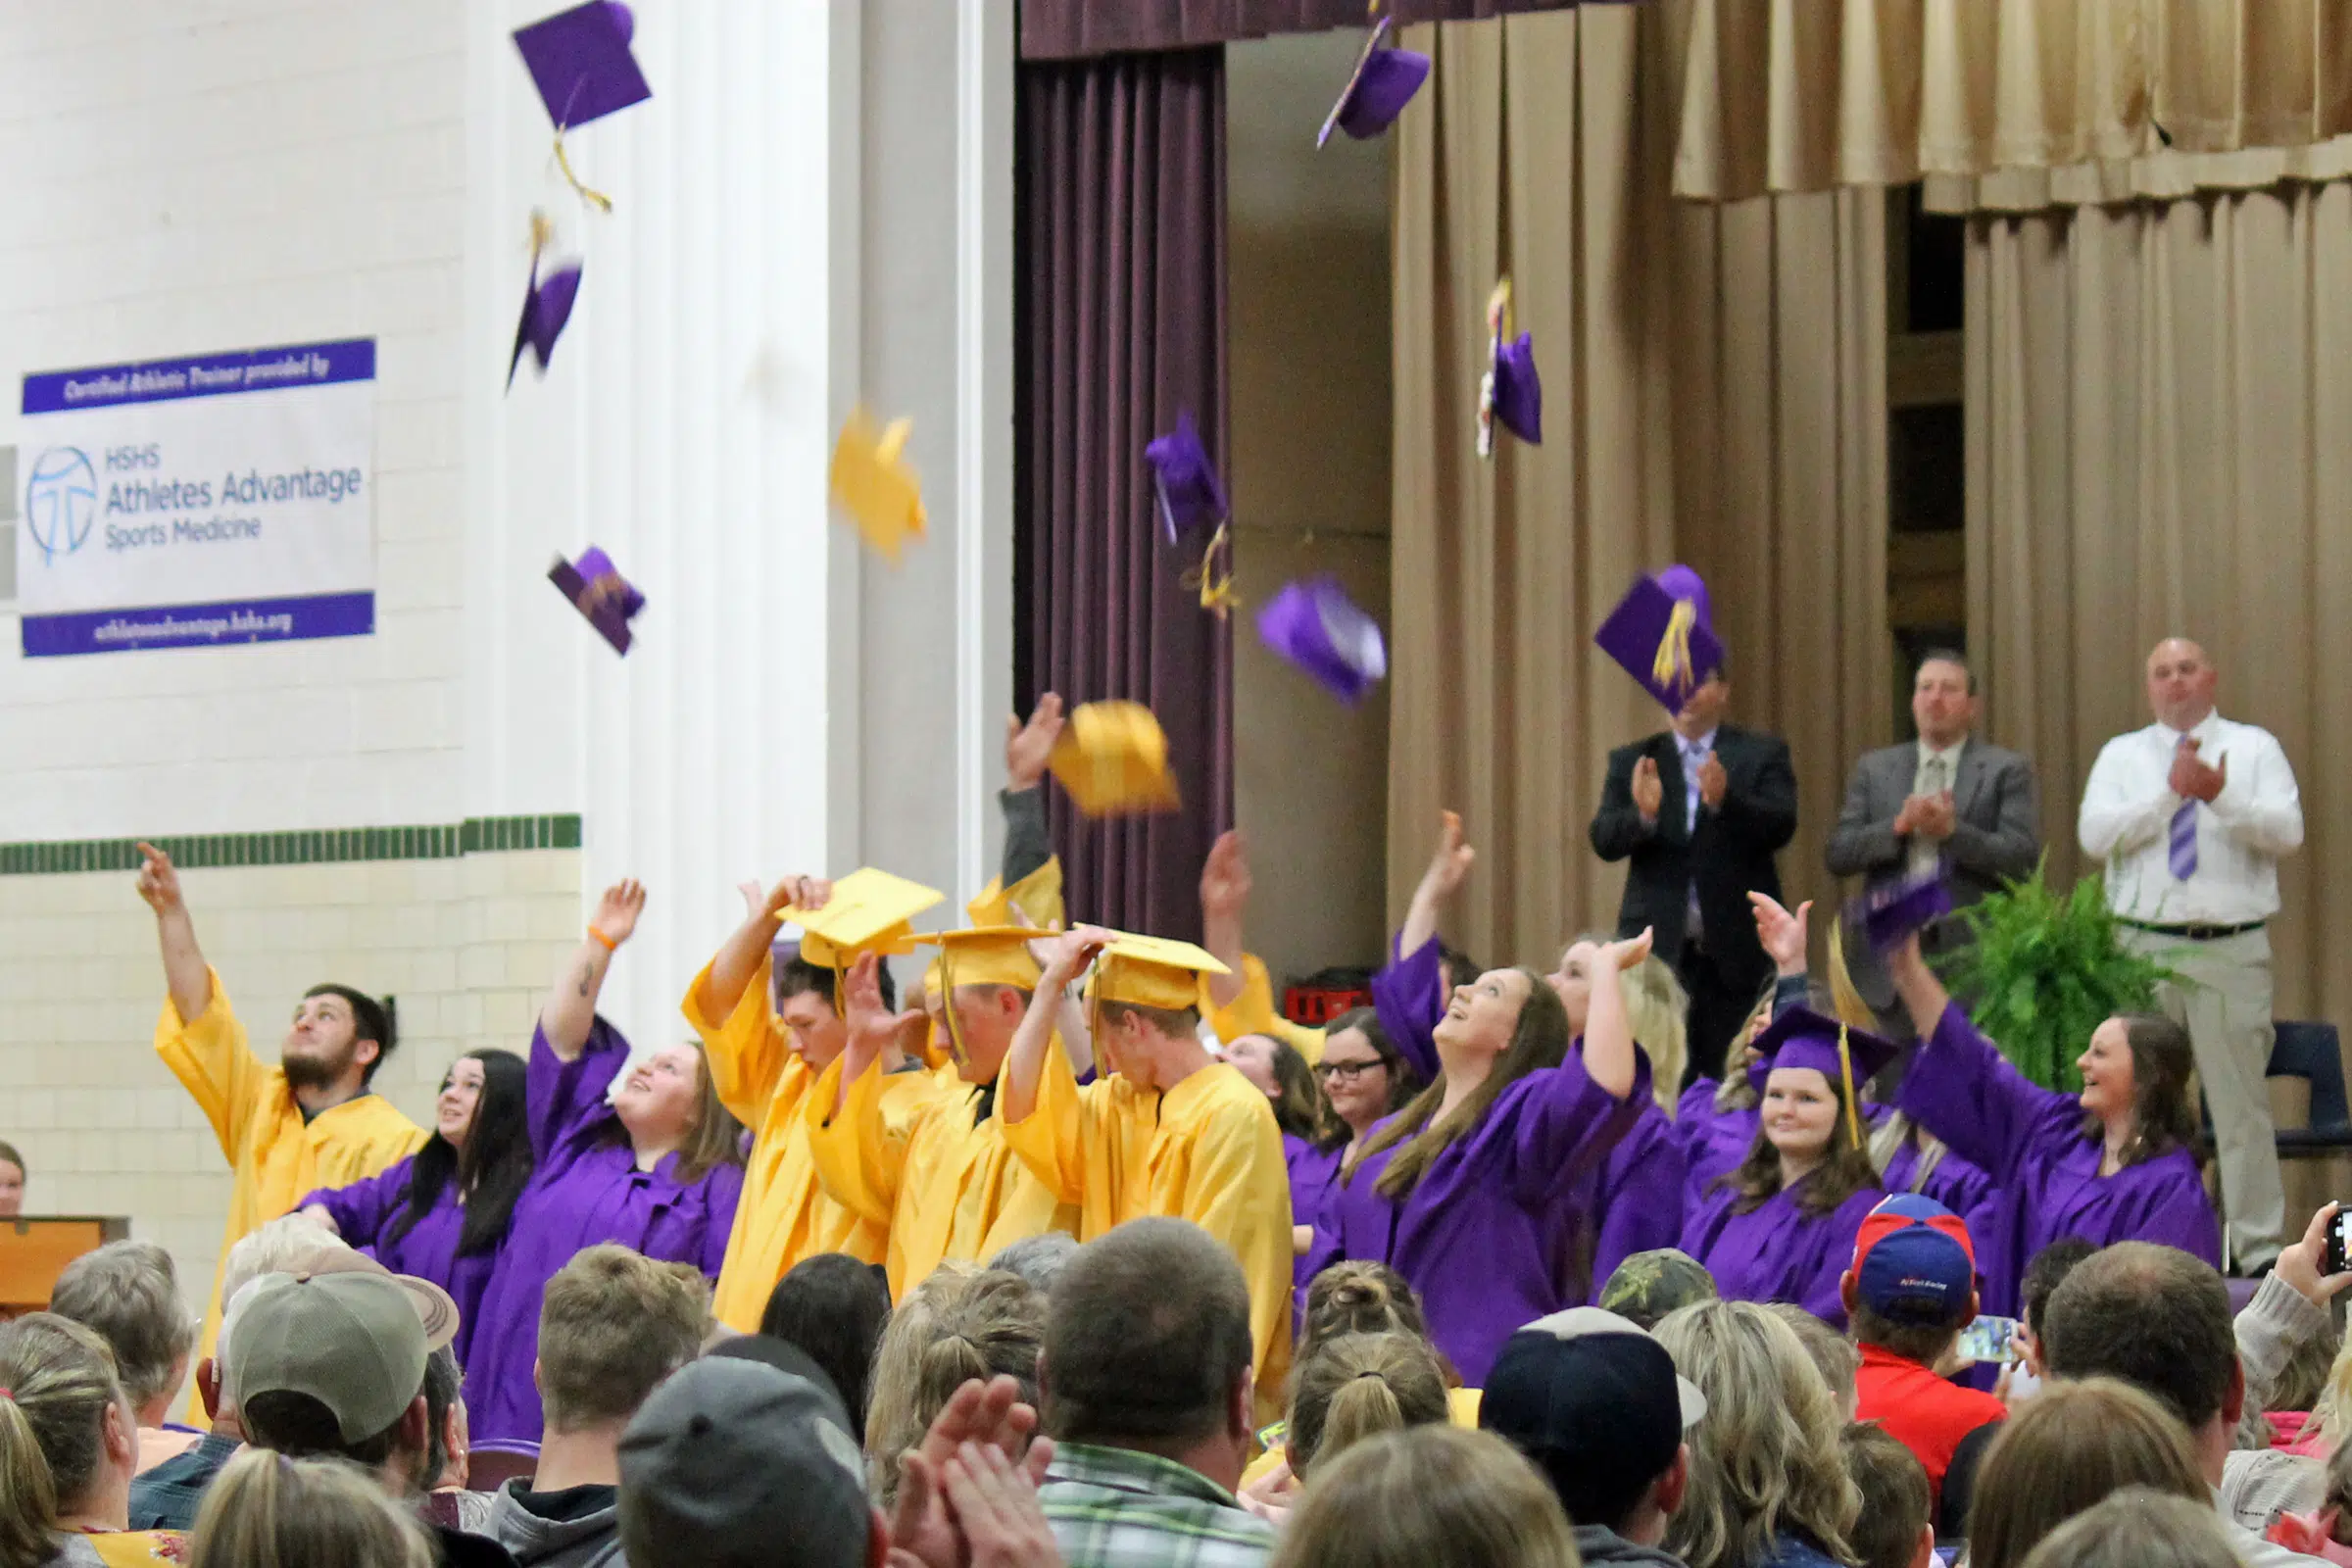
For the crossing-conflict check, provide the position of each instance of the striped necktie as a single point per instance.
(2184, 841)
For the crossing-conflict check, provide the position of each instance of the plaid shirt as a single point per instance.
(1117, 1508)
(167, 1496)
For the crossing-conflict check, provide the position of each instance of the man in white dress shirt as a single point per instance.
(2191, 817)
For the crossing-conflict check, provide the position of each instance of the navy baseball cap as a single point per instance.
(1913, 1261)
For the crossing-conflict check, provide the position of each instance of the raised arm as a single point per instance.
(571, 1007)
(1784, 936)
(1449, 868)
(1224, 900)
(739, 958)
(1608, 1031)
(1067, 956)
(1028, 748)
(186, 976)
(1923, 994)
(874, 1030)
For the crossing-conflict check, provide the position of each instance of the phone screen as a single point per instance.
(1990, 1338)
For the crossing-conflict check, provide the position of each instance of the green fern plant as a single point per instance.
(2043, 969)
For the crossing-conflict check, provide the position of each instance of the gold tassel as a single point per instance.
(1671, 668)
(598, 198)
(1845, 997)
(1217, 596)
(1845, 1070)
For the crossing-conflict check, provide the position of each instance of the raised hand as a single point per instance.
(2304, 1265)
(987, 1415)
(1029, 746)
(754, 899)
(1066, 954)
(1712, 782)
(618, 911)
(1627, 951)
(1783, 935)
(159, 882)
(1225, 879)
(1649, 793)
(996, 1506)
(1449, 864)
(873, 1027)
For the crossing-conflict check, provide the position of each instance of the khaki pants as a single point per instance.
(2224, 1001)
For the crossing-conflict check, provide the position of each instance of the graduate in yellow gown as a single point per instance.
(310, 1121)
(1170, 1131)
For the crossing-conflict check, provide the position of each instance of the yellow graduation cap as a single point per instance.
(980, 955)
(1151, 972)
(869, 912)
(876, 485)
(1113, 760)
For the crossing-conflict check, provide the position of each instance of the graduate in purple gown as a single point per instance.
(2114, 1163)
(656, 1170)
(1782, 1226)
(1411, 994)
(441, 1213)
(1470, 1191)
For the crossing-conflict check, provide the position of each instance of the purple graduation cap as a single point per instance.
(546, 308)
(1849, 1058)
(1887, 915)
(1316, 626)
(1385, 81)
(1663, 635)
(1510, 391)
(1186, 480)
(581, 62)
(598, 591)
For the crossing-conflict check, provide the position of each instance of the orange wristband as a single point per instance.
(610, 946)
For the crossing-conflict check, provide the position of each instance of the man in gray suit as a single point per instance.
(1946, 795)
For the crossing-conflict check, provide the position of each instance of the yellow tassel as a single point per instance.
(946, 1001)
(1499, 311)
(542, 234)
(1671, 668)
(1217, 596)
(1844, 998)
(1845, 1070)
(601, 202)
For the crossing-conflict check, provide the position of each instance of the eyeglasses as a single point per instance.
(1345, 1072)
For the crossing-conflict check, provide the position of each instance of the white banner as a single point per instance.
(224, 497)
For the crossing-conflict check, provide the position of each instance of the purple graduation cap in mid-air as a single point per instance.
(1186, 480)
(1664, 636)
(1890, 913)
(598, 590)
(581, 62)
(1316, 626)
(1385, 81)
(546, 306)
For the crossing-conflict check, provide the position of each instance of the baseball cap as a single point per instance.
(1650, 1284)
(1913, 1261)
(1594, 1400)
(731, 1460)
(352, 1338)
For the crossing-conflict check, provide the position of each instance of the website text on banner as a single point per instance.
(222, 498)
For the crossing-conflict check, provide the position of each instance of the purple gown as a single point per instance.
(1409, 998)
(587, 1189)
(1313, 1172)
(1714, 1142)
(1776, 1252)
(2029, 1139)
(1638, 1194)
(428, 1248)
(1489, 1237)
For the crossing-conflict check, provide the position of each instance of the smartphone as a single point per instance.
(2337, 1250)
(1990, 1338)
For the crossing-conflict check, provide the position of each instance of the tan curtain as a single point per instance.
(1713, 392)
(2159, 442)
(1797, 96)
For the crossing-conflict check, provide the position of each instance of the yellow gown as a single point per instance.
(949, 1190)
(785, 1213)
(1206, 1150)
(277, 1156)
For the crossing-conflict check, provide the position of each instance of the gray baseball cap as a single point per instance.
(354, 1341)
(729, 1460)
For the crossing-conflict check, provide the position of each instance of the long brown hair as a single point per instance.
(2071, 1445)
(1301, 1110)
(718, 1137)
(1538, 1040)
(58, 1382)
(1844, 1170)
(2163, 1116)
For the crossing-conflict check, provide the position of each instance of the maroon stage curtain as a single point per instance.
(1073, 29)
(1121, 324)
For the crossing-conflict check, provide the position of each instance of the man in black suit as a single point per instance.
(1700, 809)
(1944, 798)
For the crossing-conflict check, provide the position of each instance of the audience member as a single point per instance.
(333, 1365)
(2159, 1320)
(1895, 1527)
(269, 1511)
(167, 1496)
(955, 1326)
(1039, 1259)
(2044, 1273)
(12, 1180)
(2074, 1444)
(1359, 1385)
(442, 1213)
(2326, 1532)
(68, 1444)
(2137, 1528)
(1832, 1355)
(834, 1307)
(1593, 1401)
(128, 1293)
(2191, 817)
(1650, 1284)
(449, 1457)
(1146, 1379)
(611, 1327)
(1423, 1495)
(1912, 1289)
(1768, 1488)
(2281, 1335)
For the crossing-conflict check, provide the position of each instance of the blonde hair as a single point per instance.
(1733, 1092)
(2072, 1445)
(1474, 1503)
(2136, 1528)
(1658, 1009)
(60, 1381)
(1832, 1353)
(1764, 1462)
(612, 1324)
(956, 1325)
(264, 1510)
(1359, 1385)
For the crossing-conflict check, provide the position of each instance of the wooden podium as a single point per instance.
(33, 1252)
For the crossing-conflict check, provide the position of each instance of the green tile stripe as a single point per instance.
(440, 841)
